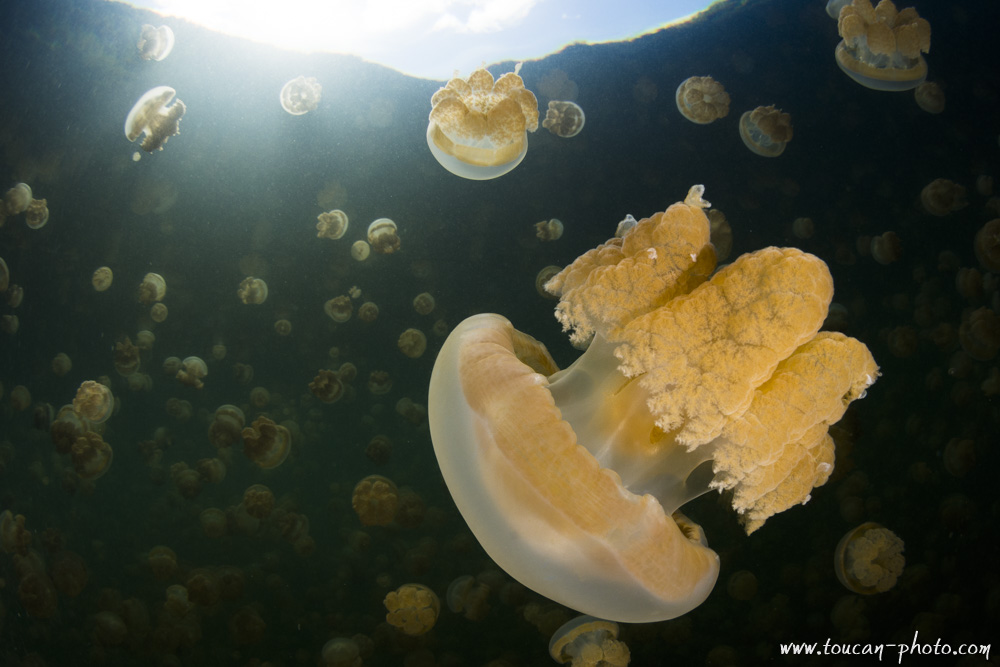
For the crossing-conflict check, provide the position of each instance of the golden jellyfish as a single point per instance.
(252, 290)
(14, 537)
(15, 295)
(301, 95)
(155, 43)
(375, 500)
(91, 456)
(126, 357)
(564, 119)
(187, 481)
(886, 248)
(37, 214)
(586, 641)
(35, 590)
(162, 561)
(766, 130)
(412, 342)
(327, 387)
(258, 500)
(987, 245)
(193, 369)
(93, 402)
(368, 312)
(158, 313)
(4, 275)
(693, 381)
(341, 652)
(152, 288)
(881, 46)
(109, 628)
(61, 364)
(721, 234)
(331, 225)
(929, 97)
(283, 327)
(339, 308)
(266, 444)
(211, 470)
(413, 608)
(383, 237)
(742, 585)
(219, 352)
(379, 449)
(360, 250)
(468, 597)
(424, 303)
(145, 339)
(155, 117)
(213, 522)
(411, 411)
(549, 230)
(941, 197)
(702, 99)
(18, 199)
(260, 397)
(869, 559)
(20, 398)
(171, 365)
(479, 128)
(69, 573)
(9, 324)
(979, 334)
(544, 276)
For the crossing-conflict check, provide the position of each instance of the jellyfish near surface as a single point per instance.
(155, 118)
(301, 95)
(564, 119)
(766, 131)
(881, 46)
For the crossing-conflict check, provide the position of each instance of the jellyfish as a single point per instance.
(283, 327)
(327, 387)
(91, 456)
(693, 381)
(18, 199)
(213, 522)
(9, 324)
(331, 225)
(360, 250)
(468, 597)
(586, 640)
(564, 119)
(833, 7)
(101, 280)
(479, 128)
(93, 402)
(126, 357)
(929, 97)
(424, 303)
(987, 245)
(4, 275)
(193, 369)
(155, 43)
(413, 608)
(549, 230)
(412, 342)
(886, 248)
(869, 559)
(61, 364)
(544, 276)
(187, 481)
(375, 500)
(211, 470)
(152, 288)
(69, 573)
(15, 295)
(979, 334)
(379, 449)
(766, 130)
(339, 308)
(941, 197)
(382, 236)
(368, 312)
(341, 652)
(803, 228)
(702, 99)
(154, 117)
(881, 47)
(252, 291)
(37, 214)
(260, 397)
(266, 444)
(144, 340)
(742, 585)
(258, 500)
(301, 95)
(14, 537)
(158, 313)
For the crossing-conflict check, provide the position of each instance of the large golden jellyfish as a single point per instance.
(881, 46)
(301, 95)
(564, 119)
(155, 43)
(479, 128)
(766, 130)
(571, 479)
(155, 117)
(702, 99)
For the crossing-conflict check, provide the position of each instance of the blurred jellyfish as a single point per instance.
(468, 597)
(101, 280)
(37, 214)
(152, 288)
(375, 500)
(987, 245)
(833, 7)
(341, 652)
(193, 369)
(18, 198)
(266, 444)
(158, 313)
(383, 237)
(564, 119)
(702, 99)
(368, 312)
(549, 230)
(886, 248)
(803, 228)
(155, 43)
(720, 234)
(283, 327)
(941, 197)
(766, 130)
(155, 117)
(94, 402)
(61, 364)
(258, 500)
(126, 357)
(15, 295)
(331, 225)
(327, 387)
(360, 250)
(881, 47)
(213, 522)
(91, 456)
(479, 128)
(413, 608)
(869, 559)
(301, 95)
(424, 303)
(412, 342)
(379, 383)
(339, 308)
(586, 640)
(4, 275)
(929, 97)
(252, 291)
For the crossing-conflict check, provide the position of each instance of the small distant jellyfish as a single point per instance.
(881, 47)
(331, 225)
(252, 291)
(987, 245)
(478, 128)
(341, 652)
(702, 99)
(424, 303)
(886, 248)
(544, 276)
(101, 280)
(375, 500)
(383, 236)
(549, 230)
(283, 327)
(154, 117)
(941, 197)
(869, 559)
(155, 43)
(18, 198)
(929, 97)
(360, 250)
(339, 308)
(152, 288)
(766, 130)
(37, 214)
(158, 313)
(412, 343)
(564, 119)
(626, 224)
(193, 369)
(586, 640)
(413, 608)
(301, 95)
(803, 228)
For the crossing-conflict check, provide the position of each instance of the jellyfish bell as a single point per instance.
(564, 119)
(702, 99)
(588, 640)
(332, 224)
(869, 559)
(37, 214)
(301, 95)
(478, 128)
(833, 7)
(155, 117)
(881, 48)
(155, 43)
(383, 237)
(766, 130)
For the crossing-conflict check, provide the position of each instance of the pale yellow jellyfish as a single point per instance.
(94, 402)
(379, 383)
(18, 198)
(549, 230)
(412, 342)
(154, 117)
(766, 130)
(545, 275)
(479, 128)
(424, 303)
(252, 290)
(155, 43)
(586, 641)
(413, 608)
(62, 364)
(283, 327)
(327, 386)
(339, 308)
(37, 214)
(266, 444)
(383, 236)
(375, 500)
(702, 99)
(152, 288)
(564, 119)
(301, 95)
(126, 357)
(91, 456)
(881, 46)
(102, 278)
(869, 559)
(158, 313)
(929, 97)
(193, 369)
(331, 225)
(360, 250)
(368, 312)
(145, 339)
(341, 652)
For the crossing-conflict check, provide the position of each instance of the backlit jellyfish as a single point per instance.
(375, 500)
(702, 99)
(833, 7)
(881, 47)
(93, 402)
(154, 117)
(360, 250)
(545, 275)
(258, 500)
(586, 641)
(468, 597)
(564, 119)
(327, 387)
(412, 342)
(941, 197)
(341, 652)
(987, 245)
(424, 303)
(929, 97)
(383, 237)
(126, 357)
(869, 559)
(413, 608)
(18, 199)
(339, 308)
(91, 456)
(155, 43)
(266, 444)
(331, 225)
(571, 479)
(766, 130)
(479, 128)
(152, 288)
(301, 95)
(61, 364)
(252, 291)
(549, 230)
(37, 214)
(101, 280)
(721, 234)
(193, 369)
(368, 312)
(158, 312)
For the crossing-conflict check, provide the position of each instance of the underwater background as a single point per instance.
(237, 194)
